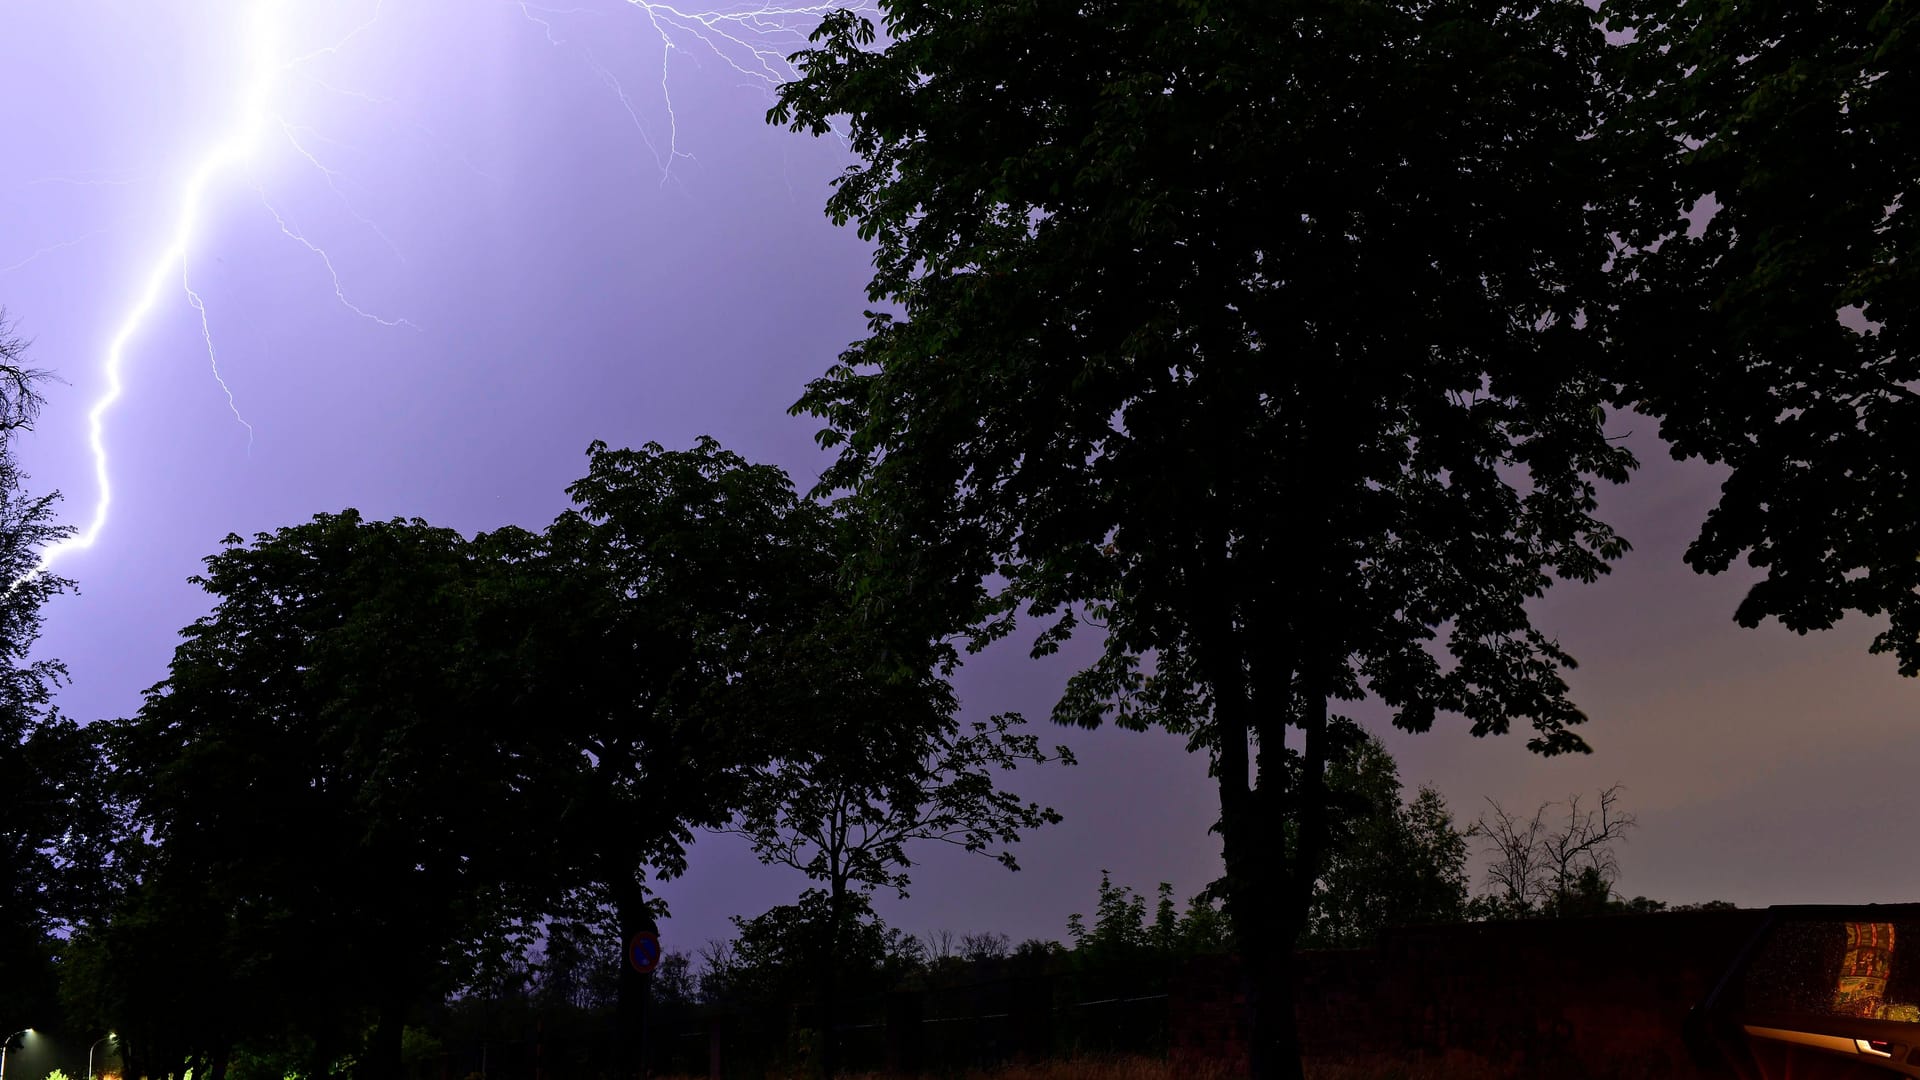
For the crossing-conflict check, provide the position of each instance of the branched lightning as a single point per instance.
(626, 103)
(213, 358)
(527, 10)
(240, 145)
(753, 40)
(333, 184)
(339, 290)
(379, 8)
(77, 180)
(748, 35)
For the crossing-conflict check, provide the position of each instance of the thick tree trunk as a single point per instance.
(1252, 820)
(1264, 927)
(1252, 839)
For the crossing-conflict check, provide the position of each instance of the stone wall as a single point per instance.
(1599, 998)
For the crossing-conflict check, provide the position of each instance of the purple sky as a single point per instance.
(574, 258)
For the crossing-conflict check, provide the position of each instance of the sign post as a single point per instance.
(643, 956)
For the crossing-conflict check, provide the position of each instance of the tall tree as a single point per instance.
(48, 773)
(337, 788)
(1250, 328)
(679, 585)
(1767, 288)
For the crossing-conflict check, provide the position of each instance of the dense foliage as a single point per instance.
(50, 867)
(394, 765)
(335, 794)
(1250, 331)
(1766, 301)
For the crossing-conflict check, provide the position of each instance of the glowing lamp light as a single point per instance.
(4, 1044)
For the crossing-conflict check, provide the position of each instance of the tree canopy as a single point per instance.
(1251, 331)
(392, 758)
(50, 817)
(843, 805)
(680, 582)
(1766, 303)
(672, 649)
(338, 788)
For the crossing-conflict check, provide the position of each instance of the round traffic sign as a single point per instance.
(643, 951)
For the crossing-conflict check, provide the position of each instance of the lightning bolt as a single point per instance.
(169, 268)
(213, 358)
(753, 41)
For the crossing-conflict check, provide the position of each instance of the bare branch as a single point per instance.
(1533, 866)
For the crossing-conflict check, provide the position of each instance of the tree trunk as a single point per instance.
(1252, 819)
(631, 997)
(1263, 926)
(830, 991)
(1310, 842)
(1252, 847)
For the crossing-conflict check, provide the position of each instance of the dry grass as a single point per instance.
(1452, 1067)
(1140, 1068)
(1129, 1068)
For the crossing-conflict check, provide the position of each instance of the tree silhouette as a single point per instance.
(844, 808)
(1251, 330)
(1390, 862)
(51, 812)
(674, 594)
(1540, 868)
(1767, 289)
(336, 798)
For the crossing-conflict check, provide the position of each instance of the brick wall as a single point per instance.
(1599, 998)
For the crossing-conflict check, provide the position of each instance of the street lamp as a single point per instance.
(108, 1038)
(4, 1044)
